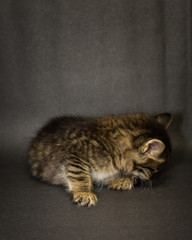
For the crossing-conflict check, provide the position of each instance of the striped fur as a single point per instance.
(115, 150)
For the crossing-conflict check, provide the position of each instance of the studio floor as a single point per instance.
(34, 210)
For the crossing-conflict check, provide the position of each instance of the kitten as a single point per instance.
(115, 150)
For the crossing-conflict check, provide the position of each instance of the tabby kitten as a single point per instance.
(115, 150)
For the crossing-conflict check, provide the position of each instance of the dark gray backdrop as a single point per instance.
(90, 58)
(93, 58)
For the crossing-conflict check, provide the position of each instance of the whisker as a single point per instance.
(146, 185)
(143, 186)
(151, 186)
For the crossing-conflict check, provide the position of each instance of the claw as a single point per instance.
(84, 199)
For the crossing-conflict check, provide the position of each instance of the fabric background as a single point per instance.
(93, 58)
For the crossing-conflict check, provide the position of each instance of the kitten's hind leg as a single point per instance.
(60, 177)
(80, 185)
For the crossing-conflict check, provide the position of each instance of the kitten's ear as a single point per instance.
(164, 119)
(153, 147)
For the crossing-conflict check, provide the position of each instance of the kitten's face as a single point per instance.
(152, 152)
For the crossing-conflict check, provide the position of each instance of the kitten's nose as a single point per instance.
(135, 179)
(156, 170)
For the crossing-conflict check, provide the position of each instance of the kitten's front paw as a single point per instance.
(84, 199)
(121, 184)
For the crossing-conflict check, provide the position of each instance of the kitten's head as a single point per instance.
(152, 145)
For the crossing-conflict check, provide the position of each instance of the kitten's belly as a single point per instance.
(100, 176)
